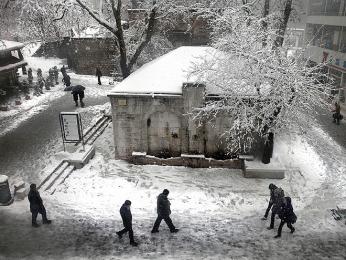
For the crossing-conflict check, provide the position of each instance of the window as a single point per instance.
(333, 7)
(342, 46)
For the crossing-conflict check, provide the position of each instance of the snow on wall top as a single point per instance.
(165, 74)
(10, 45)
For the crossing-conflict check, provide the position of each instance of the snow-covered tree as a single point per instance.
(261, 90)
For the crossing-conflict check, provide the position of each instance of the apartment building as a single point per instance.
(325, 35)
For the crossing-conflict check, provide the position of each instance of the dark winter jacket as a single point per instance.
(286, 210)
(272, 194)
(126, 216)
(163, 205)
(98, 72)
(278, 195)
(35, 200)
(67, 80)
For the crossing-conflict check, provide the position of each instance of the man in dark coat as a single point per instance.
(336, 115)
(99, 75)
(163, 212)
(125, 212)
(272, 187)
(78, 91)
(286, 215)
(278, 194)
(36, 206)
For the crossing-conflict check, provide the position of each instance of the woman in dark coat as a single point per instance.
(286, 215)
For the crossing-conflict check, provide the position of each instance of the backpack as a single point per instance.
(289, 205)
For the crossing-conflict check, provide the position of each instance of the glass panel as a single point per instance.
(343, 41)
(333, 7)
(316, 7)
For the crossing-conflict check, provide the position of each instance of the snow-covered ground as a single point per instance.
(19, 113)
(217, 210)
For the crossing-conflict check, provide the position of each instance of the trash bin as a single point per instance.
(5, 194)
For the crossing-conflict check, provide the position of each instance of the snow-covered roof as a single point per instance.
(13, 66)
(10, 45)
(165, 74)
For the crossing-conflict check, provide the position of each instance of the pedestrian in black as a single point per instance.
(286, 215)
(63, 70)
(277, 200)
(78, 91)
(337, 115)
(67, 80)
(36, 206)
(99, 75)
(163, 212)
(272, 187)
(125, 212)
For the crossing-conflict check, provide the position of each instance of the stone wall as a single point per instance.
(159, 125)
(83, 54)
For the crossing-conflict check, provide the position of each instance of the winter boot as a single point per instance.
(133, 243)
(119, 235)
(293, 229)
(47, 221)
(154, 231)
(35, 225)
(277, 236)
(175, 230)
(76, 103)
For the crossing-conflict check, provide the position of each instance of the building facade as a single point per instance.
(150, 111)
(325, 35)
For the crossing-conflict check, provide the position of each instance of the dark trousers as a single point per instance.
(272, 219)
(127, 229)
(268, 209)
(99, 80)
(168, 221)
(35, 212)
(75, 96)
(282, 223)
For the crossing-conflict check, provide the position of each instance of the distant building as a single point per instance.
(325, 35)
(11, 59)
(150, 107)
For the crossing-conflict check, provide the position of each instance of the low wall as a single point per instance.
(192, 161)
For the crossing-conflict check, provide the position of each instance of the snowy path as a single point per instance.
(217, 210)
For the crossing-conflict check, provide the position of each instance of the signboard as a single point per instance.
(71, 127)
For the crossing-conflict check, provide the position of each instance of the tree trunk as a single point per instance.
(269, 144)
(265, 22)
(283, 25)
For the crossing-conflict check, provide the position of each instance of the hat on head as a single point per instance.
(165, 191)
(32, 186)
(272, 186)
(127, 202)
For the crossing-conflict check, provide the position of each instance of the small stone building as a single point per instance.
(150, 107)
(11, 59)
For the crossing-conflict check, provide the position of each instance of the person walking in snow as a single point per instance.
(63, 70)
(99, 75)
(336, 115)
(286, 215)
(163, 212)
(272, 187)
(36, 206)
(30, 77)
(78, 91)
(278, 194)
(126, 216)
(66, 80)
(56, 75)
